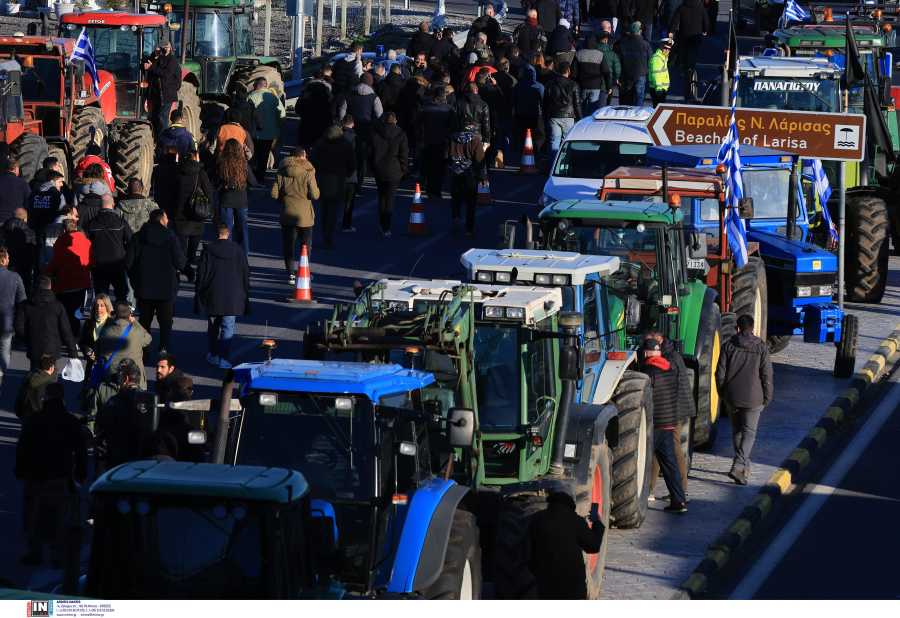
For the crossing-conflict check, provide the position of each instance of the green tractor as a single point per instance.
(510, 354)
(218, 54)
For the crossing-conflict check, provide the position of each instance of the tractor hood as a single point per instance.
(781, 252)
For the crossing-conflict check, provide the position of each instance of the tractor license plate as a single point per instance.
(696, 264)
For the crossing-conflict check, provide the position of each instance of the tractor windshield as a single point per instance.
(212, 34)
(41, 83)
(309, 433)
(497, 377)
(243, 34)
(769, 189)
(789, 93)
(595, 159)
(120, 51)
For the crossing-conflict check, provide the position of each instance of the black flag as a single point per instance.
(876, 127)
(853, 71)
(732, 48)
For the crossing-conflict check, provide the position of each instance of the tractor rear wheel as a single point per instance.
(895, 234)
(30, 150)
(88, 128)
(190, 107)
(729, 325)
(687, 441)
(777, 343)
(269, 72)
(460, 579)
(60, 155)
(845, 360)
(750, 294)
(598, 488)
(866, 258)
(632, 458)
(709, 406)
(132, 157)
(512, 577)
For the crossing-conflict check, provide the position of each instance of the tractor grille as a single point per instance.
(781, 283)
(501, 459)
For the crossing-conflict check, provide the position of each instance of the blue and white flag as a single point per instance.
(84, 51)
(730, 155)
(792, 12)
(814, 168)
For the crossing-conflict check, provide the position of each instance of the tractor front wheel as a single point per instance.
(597, 490)
(633, 457)
(88, 129)
(777, 343)
(513, 579)
(750, 294)
(709, 406)
(845, 360)
(190, 107)
(30, 150)
(460, 579)
(132, 157)
(866, 258)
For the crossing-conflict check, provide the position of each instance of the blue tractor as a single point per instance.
(801, 279)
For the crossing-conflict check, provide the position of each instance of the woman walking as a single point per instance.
(295, 188)
(234, 178)
(101, 311)
(189, 177)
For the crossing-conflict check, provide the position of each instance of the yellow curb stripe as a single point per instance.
(741, 527)
(867, 376)
(763, 503)
(719, 556)
(835, 414)
(782, 478)
(852, 394)
(696, 582)
(801, 456)
(819, 435)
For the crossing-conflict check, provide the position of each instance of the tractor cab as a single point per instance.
(12, 109)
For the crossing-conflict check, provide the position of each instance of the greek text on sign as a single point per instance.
(782, 86)
(836, 137)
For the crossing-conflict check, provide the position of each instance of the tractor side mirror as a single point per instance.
(569, 367)
(690, 85)
(320, 531)
(745, 208)
(145, 414)
(15, 83)
(78, 67)
(698, 249)
(407, 448)
(461, 427)
(506, 236)
(632, 313)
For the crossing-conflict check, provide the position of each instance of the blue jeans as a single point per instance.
(504, 135)
(590, 101)
(664, 449)
(558, 129)
(632, 91)
(5, 350)
(219, 333)
(236, 220)
(648, 32)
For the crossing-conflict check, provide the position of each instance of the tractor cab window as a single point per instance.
(178, 18)
(117, 51)
(769, 190)
(708, 207)
(497, 377)
(243, 34)
(540, 376)
(41, 83)
(317, 436)
(789, 93)
(593, 342)
(213, 34)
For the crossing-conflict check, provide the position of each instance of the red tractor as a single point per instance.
(23, 136)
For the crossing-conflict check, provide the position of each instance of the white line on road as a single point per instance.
(819, 494)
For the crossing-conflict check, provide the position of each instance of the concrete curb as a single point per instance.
(731, 539)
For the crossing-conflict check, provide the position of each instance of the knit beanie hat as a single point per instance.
(635, 27)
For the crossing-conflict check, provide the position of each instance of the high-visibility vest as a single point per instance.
(659, 71)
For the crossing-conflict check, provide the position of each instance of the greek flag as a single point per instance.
(814, 168)
(792, 12)
(84, 51)
(730, 155)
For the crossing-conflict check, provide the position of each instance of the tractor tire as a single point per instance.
(729, 326)
(88, 127)
(190, 107)
(65, 167)
(211, 118)
(513, 580)
(269, 72)
(598, 488)
(845, 360)
(709, 406)
(866, 258)
(131, 157)
(460, 579)
(632, 458)
(30, 150)
(777, 343)
(750, 294)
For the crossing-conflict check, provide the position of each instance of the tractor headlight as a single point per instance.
(484, 277)
(502, 277)
(825, 290)
(560, 279)
(516, 313)
(804, 291)
(493, 312)
(542, 279)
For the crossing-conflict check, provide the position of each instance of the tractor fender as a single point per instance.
(609, 377)
(588, 426)
(695, 313)
(426, 531)
(188, 75)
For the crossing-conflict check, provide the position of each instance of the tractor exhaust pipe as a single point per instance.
(793, 202)
(184, 31)
(571, 369)
(665, 181)
(529, 234)
(220, 434)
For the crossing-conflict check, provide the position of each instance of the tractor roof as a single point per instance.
(777, 66)
(649, 179)
(706, 154)
(826, 36)
(10, 65)
(414, 293)
(65, 45)
(112, 18)
(199, 4)
(648, 212)
(529, 263)
(203, 480)
(370, 379)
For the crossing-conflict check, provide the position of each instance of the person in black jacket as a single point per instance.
(388, 89)
(20, 241)
(250, 118)
(527, 32)
(222, 293)
(234, 177)
(346, 72)
(335, 161)
(51, 449)
(664, 382)
(109, 235)
(443, 47)
(548, 14)
(42, 322)
(390, 155)
(410, 102)
(167, 375)
(316, 109)
(434, 126)
(14, 190)
(593, 76)
(472, 111)
(113, 423)
(165, 80)
(466, 156)
(364, 105)
(486, 24)
(557, 540)
(421, 42)
(562, 105)
(153, 260)
(691, 22)
(46, 201)
(634, 53)
(189, 176)
(162, 181)
(643, 11)
(562, 41)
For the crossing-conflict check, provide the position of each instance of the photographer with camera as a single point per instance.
(165, 80)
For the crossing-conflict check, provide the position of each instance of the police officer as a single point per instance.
(659, 72)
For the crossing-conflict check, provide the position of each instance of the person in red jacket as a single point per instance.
(93, 156)
(71, 265)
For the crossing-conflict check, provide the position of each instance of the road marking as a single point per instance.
(817, 497)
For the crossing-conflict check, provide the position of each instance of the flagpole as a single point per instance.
(842, 212)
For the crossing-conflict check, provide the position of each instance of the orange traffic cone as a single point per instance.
(484, 193)
(417, 217)
(528, 167)
(302, 291)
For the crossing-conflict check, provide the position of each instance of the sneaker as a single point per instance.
(455, 227)
(737, 476)
(292, 280)
(651, 498)
(349, 230)
(224, 364)
(30, 559)
(470, 234)
(386, 234)
(212, 359)
(676, 507)
(668, 498)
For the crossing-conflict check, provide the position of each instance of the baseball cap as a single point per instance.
(667, 42)
(472, 58)
(635, 27)
(651, 344)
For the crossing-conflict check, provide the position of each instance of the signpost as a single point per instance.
(811, 135)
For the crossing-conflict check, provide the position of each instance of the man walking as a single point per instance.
(659, 72)
(434, 125)
(30, 397)
(14, 191)
(664, 382)
(390, 154)
(20, 241)
(594, 77)
(46, 202)
(222, 293)
(466, 156)
(153, 260)
(12, 293)
(562, 100)
(634, 53)
(744, 380)
(177, 135)
(364, 105)
(271, 110)
(605, 41)
(335, 161)
(165, 80)
(527, 99)
(43, 323)
(109, 235)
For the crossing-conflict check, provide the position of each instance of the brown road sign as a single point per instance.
(835, 137)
